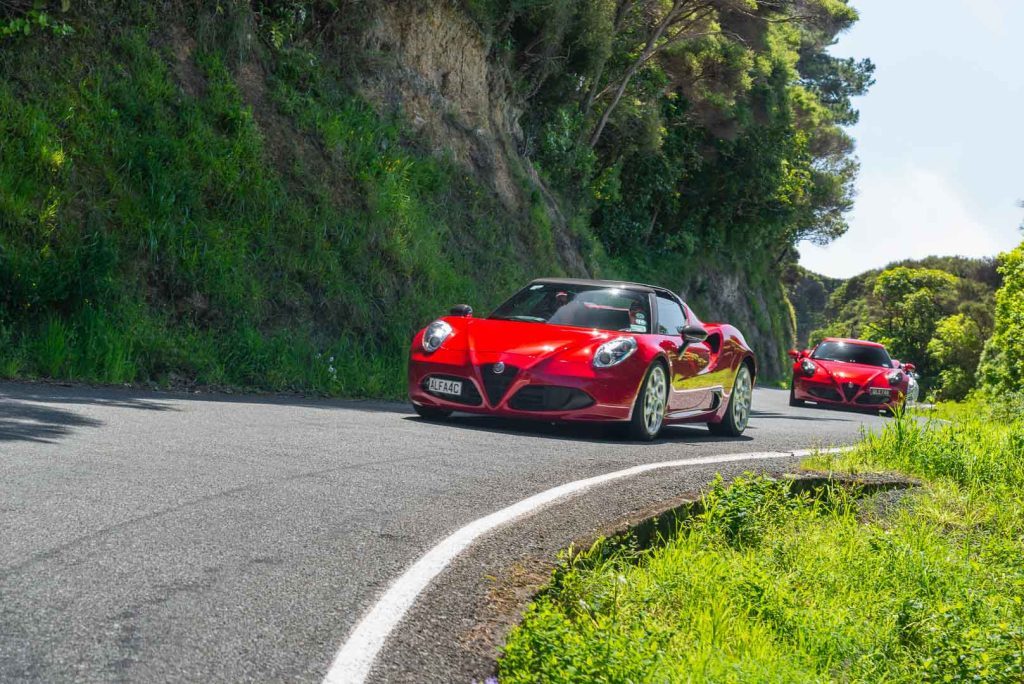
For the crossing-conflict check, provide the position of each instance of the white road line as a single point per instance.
(355, 659)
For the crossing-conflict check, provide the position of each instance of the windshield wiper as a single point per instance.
(521, 319)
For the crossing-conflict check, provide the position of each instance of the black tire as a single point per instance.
(793, 401)
(737, 414)
(642, 426)
(428, 413)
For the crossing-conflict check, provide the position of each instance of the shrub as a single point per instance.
(1002, 363)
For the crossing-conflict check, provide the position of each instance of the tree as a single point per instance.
(954, 352)
(658, 25)
(1002, 363)
(911, 302)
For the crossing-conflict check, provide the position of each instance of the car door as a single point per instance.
(689, 361)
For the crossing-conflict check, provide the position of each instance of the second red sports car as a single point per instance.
(848, 373)
(586, 350)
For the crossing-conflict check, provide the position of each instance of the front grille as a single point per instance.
(470, 395)
(547, 398)
(496, 384)
(826, 393)
(850, 390)
(873, 399)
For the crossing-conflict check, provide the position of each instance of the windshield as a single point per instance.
(852, 353)
(604, 308)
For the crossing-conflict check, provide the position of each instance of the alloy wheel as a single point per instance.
(654, 400)
(742, 395)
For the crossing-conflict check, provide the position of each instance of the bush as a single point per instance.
(1002, 363)
(765, 586)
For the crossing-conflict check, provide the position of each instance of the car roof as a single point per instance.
(584, 282)
(847, 340)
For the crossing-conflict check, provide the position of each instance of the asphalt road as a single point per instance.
(166, 537)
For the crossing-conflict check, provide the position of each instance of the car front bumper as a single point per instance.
(550, 389)
(847, 395)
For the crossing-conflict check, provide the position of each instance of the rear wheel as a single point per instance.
(793, 401)
(429, 413)
(649, 409)
(737, 414)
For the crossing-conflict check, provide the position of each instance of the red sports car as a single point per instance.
(586, 350)
(846, 373)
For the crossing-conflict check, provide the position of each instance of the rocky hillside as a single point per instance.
(275, 194)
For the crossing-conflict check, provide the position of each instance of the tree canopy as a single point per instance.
(1002, 364)
(691, 124)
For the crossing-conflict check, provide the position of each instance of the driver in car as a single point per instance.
(637, 317)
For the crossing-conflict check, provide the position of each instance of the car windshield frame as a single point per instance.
(865, 349)
(594, 307)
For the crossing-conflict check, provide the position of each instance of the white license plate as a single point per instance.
(880, 391)
(452, 387)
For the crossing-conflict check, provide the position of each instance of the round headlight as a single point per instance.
(435, 335)
(895, 377)
(614, 352)
(808, 367)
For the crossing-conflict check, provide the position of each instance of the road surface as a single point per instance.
(170, 537)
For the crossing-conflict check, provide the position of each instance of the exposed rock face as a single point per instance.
(734, 297)
(438, 73)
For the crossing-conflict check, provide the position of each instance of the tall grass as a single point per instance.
(767, 586)
(160, 223)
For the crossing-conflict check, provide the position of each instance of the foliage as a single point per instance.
(1002, 364)
(910, 303)
(955, 349)
(19, 19)
(716, 123)
(927, 586)
(155, 226)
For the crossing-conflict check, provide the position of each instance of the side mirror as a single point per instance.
(464, 310)
(909, 367)
(793, 354)
(693, 334)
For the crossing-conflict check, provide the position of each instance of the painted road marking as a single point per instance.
(355, 659)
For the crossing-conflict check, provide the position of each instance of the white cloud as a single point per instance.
(911, 213)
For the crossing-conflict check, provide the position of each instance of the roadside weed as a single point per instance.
(925, 585)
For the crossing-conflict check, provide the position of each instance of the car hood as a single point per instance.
(852, 372)
(527, 339)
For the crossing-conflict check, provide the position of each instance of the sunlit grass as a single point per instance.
(152, 232)
(922, 586)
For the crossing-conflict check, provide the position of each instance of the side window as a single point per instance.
(670, 316)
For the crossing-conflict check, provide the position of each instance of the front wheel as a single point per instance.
(649, 409)
(737, 414)
(429, 413)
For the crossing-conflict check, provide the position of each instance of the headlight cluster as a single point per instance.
(614, 352)
(435, 335)
(894, 377)
(808, 368)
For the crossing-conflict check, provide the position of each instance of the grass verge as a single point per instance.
(767, 585)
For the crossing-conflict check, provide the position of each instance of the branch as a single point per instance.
(653, 46)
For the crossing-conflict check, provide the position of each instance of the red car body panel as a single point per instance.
(543, 355)
(848, 385)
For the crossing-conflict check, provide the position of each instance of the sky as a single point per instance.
(940, 137)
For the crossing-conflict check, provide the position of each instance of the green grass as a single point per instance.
(165, 228)
(767, 586)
